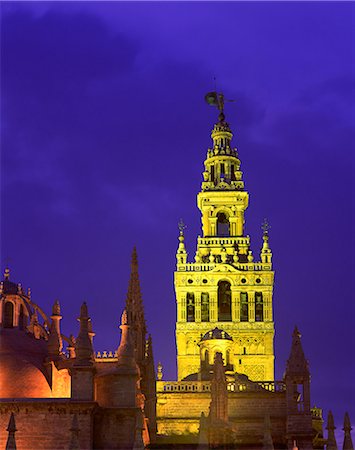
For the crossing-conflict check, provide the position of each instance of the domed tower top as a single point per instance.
(222, 165)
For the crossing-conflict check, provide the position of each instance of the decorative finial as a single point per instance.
(83, 311)
(56, 308)
(160, 371)
(265, 227)
(182, 226)
(7, 273)
(124, 318)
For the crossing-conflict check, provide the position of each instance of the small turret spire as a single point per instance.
(125, 351)
(11, 428)
(83, 346)
(297, 362)
(331, 442)
(265, 254)
(348, 443)
(55, 343)
(181, 254)
(135, 310)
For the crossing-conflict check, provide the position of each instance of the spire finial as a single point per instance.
(265, 227)
(7, 274)
(182, 227)
(56, 308)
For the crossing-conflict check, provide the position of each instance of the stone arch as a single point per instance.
(223, 225)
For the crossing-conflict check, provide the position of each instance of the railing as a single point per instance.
(223, 241)
(205, 386)
(205, 267)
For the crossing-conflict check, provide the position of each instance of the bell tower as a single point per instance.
(224, 291)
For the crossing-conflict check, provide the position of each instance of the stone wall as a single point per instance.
(45, 425)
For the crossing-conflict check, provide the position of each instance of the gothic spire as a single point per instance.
(135, 310)
(348, 443)
(297, 363)
(83, 346)
(11, 428)
(331, 442)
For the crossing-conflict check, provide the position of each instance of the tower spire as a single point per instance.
(11, 428)
(331, 442)
(348, 443)
(135, 310)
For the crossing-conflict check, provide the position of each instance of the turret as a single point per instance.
(55, 343)
(348, 443)
(331, 442)
(83, 367)
(297, 378)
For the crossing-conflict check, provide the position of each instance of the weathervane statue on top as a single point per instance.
(215, 99)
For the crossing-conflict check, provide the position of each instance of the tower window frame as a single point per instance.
(244, 307)
(205, 307)
(224, 295)
(190, 307)
(259, 307)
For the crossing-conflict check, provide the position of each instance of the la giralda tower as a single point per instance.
(226, 293)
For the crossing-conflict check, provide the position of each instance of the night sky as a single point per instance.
(104, 134)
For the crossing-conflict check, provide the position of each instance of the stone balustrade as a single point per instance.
(232, 386)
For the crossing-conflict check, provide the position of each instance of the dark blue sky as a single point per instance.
(104, 134)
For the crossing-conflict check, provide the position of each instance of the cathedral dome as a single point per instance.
(216, 333)
(22, 372)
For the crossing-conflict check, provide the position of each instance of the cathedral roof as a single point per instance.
(216, 333)
(22, 372)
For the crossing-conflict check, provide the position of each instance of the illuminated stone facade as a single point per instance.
(57, 393)
(224, 287)
(226, 395)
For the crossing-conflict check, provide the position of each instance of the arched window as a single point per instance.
(190, 307)
(8, 315)
(244, 310)
(205, 307)
(259, 307)
(224, 301)
(22, 320)
(222, 225)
